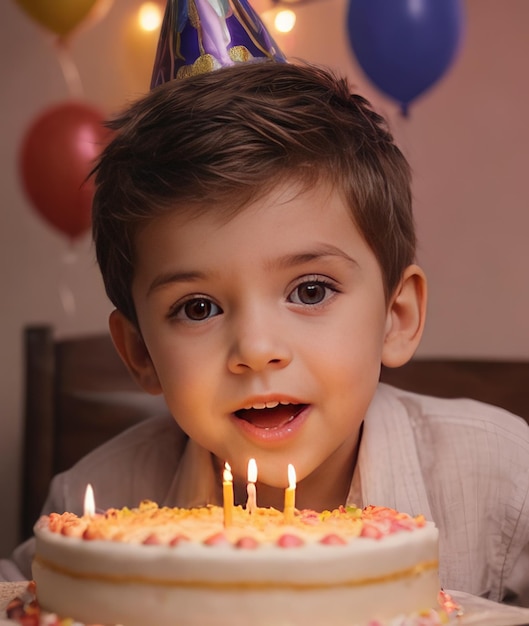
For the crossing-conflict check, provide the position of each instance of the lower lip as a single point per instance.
(279, 434)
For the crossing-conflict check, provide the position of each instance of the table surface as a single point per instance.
(8, 591)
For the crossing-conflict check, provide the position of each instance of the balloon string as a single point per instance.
(66, 294)
(67, 299)
(69, 70)
(402, 128)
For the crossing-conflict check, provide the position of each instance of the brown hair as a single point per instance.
(219, 140)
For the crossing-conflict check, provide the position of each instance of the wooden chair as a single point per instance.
(78, 394)
(501, 383)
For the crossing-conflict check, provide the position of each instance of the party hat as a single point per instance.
(198, 36)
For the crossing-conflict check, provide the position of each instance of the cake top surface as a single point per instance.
(150, 524)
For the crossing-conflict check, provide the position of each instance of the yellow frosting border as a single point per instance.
(243, 585)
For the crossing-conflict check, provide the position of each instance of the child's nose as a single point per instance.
(257, 344)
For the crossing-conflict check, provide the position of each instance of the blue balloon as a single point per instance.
(405, 46)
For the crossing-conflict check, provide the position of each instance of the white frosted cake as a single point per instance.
(174, 567)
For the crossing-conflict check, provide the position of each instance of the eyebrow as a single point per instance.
(174, 277)
(306, 256)
(283, 262)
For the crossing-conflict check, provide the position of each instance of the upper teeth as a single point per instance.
(266, 405)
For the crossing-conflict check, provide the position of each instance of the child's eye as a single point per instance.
(312, 292)
(196, 310)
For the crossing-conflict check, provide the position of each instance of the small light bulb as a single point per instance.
(149, 16)
(285, 20)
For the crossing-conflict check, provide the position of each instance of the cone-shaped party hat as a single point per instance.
(202, 35)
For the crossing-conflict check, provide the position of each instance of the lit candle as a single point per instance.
(227, 493)
(290, 495)
(251, 503)
(89, 501)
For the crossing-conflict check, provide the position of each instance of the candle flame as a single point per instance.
(227, 476)
(89, 501)
(252, 471)
(291, 476)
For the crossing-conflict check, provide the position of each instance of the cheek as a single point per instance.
(350, 369)
(189, 377)
(354, 340)
(178, 373)
(349, 358)
(172, 364)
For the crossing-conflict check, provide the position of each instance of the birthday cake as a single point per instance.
(170, 566)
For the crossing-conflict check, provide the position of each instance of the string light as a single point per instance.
(285, 20)
(149, 16)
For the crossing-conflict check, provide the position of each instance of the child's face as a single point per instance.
(283, 305)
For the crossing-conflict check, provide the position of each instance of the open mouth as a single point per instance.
(271, 417)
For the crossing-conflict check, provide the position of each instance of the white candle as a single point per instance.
(290, 495)
(89, 502)
(251, 503)
(227, 493)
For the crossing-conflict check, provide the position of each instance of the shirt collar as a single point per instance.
(388, 472)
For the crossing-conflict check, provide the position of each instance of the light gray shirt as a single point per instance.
(460, 463)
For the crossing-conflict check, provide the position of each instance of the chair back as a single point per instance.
(78, 394)
(502, 383)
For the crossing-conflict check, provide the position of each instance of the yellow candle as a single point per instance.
(251, 503)
(227, 493)
(290, 496)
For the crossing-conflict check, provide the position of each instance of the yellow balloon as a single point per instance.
(59, 16)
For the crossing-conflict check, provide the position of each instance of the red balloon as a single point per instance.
(58, 153)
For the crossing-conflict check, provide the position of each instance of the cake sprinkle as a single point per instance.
(150, 524)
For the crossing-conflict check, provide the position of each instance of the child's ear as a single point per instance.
(405, 318)
(133, 351)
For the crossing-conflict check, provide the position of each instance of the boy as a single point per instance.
(254, 231)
